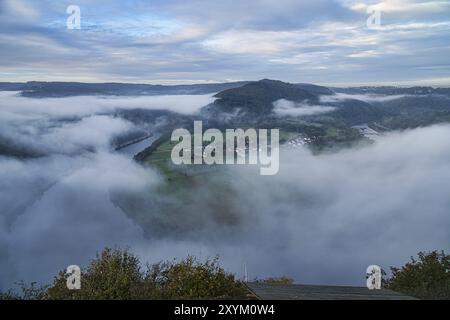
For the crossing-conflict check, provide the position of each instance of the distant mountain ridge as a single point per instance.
(39, 89)
(416, 90)
(258, 97)
(250, 104)
(62, 89)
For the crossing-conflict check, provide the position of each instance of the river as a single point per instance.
(133, 149)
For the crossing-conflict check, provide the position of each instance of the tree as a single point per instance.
(117, 274)
(427, 277)
(191, 279)
(113, 274)
(33, 291)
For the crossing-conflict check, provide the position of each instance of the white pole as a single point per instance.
(245, 272)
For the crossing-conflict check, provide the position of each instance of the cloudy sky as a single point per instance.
(170, 41)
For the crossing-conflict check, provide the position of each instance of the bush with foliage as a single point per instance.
(118, 275)
(190, 279)
(113, 274)
(427, 277)
(32, 291)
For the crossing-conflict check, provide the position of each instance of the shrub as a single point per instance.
(116, 274)
(427, 277)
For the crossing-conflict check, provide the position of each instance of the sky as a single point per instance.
(171, 42)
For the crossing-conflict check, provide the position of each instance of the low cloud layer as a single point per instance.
(337, 97)
(12, 105)
(66, 125)
(322, 219)
(56, 209)
(285, 107)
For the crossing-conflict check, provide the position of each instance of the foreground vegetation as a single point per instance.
(117, 274)
(425, 277)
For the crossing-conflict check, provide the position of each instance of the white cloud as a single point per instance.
(58, 210)
(19, 9)
(250, 42)
(173, 43)
(12, 103)
(285, 107)
(412, 6)
(363, 97)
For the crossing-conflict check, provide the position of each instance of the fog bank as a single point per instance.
(322, 219)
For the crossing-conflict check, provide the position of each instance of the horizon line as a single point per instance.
(402, 83)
